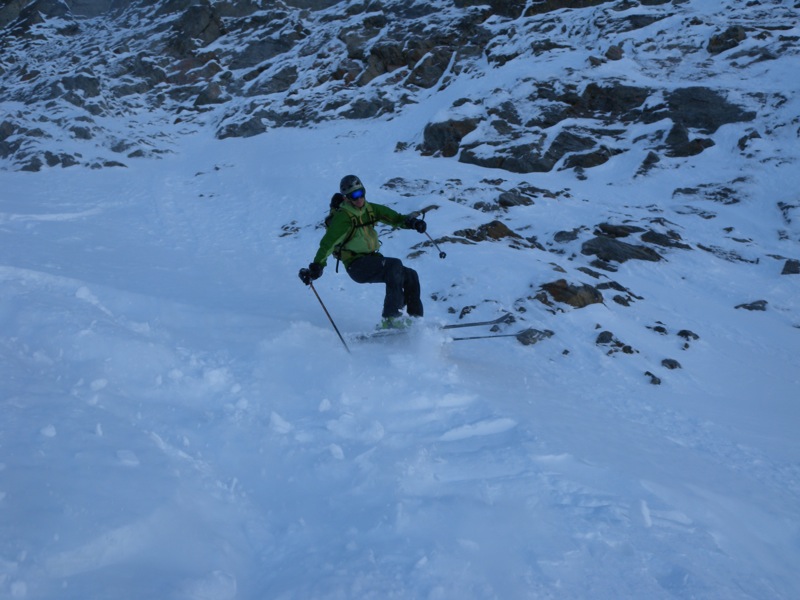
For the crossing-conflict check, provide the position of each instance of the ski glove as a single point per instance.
(314, 271)
(418, 224)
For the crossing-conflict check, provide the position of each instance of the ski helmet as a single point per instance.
(349, 184)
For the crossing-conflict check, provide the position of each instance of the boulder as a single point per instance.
(758, 305)
(578, 296)
(444, 138)
(728, 39)
(791, 267)
(608, 249)
(492, 231)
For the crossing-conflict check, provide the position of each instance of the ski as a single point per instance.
(507, 318)
(526, 337)
(379, 334)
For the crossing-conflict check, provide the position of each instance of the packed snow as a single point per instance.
(181, 421)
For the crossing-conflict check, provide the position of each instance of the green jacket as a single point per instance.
(361, 222)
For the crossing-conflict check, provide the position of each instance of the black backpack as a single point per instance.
(336, 202)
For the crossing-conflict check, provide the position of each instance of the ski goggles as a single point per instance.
(355, 194)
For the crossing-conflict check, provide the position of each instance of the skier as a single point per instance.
(351, 238)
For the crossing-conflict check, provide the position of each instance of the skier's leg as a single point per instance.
(411, 292)
(394, 301)
(375, 268)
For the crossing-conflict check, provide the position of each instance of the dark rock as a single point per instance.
(670, 363)
(258, 51)
(512, 198)
(198, 26)
(617, 101)
(679, 144)
(703, 108)
(622, 300)
(617, 231)
(787, 211)
(633, 22)
(311, 4)
(730, 38)
(366, 108)
(88, 85)
(505, 8)
(722, 194)
(34, 164)
(650, 161)
(81, 133)
(608, 249)
(494, 231)
(248, 128)
(729, 255)
(563, 237)
(760, 305)
(791, 267)
(653, 378)
(532, 336)
(527, 158)
(614, 53)
(428, 71)
(574, 295)
(606, 337)
(591, 159)
(276, 83)
(668, 240)
(29, 14)
(545, 6)
(90, 8)
(212, 94)
(444, 138)
(744, 141)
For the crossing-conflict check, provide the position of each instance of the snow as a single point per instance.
(181, 421)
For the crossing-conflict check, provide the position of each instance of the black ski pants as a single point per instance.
(402, 283)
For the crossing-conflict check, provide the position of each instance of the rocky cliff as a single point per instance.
(655, 76)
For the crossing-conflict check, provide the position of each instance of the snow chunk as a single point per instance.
(278, 424)
(487, 427)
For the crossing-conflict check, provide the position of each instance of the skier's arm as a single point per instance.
(389, 216)
(337, 231)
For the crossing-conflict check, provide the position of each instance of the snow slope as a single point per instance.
(180, 420)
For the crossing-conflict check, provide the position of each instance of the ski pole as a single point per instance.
(322, 304)
(435, 245)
